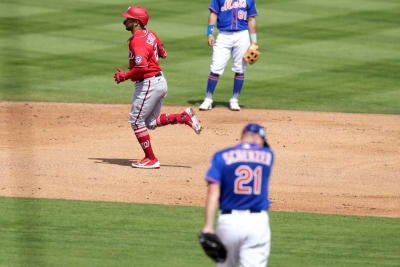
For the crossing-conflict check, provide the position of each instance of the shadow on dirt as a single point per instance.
(128, 162)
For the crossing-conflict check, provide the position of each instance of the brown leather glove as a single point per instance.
(252, 54)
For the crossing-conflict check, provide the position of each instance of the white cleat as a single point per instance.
(207, 104)
(194, 121)
(234, 104)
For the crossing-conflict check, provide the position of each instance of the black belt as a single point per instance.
(157, 75)
(230, 211)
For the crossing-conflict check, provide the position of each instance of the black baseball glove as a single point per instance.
(213, 246)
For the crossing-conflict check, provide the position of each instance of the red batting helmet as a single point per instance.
(137, 12)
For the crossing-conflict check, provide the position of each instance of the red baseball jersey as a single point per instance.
(145, 49)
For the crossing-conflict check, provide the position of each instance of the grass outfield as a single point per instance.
(42, 232)
(315, 54)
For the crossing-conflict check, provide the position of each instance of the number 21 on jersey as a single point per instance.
(244, 176)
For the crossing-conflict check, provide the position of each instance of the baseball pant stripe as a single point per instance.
(141, 107)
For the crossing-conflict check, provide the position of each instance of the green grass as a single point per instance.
(42, 232)
(315, 54)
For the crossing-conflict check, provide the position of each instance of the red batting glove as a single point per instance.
(120, 76)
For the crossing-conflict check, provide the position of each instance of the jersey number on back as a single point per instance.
(244, 176)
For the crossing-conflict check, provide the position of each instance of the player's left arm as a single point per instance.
(253, 30)
(212, 203)
(161, 49)
(252, 13)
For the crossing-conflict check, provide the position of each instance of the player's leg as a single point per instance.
(220, 57)
(211, 84)
(160, 85)
(141, 105)
(255, 248)
(237, 88)
(155, 119)
(242, 43)
(187, 117)
(227, 231)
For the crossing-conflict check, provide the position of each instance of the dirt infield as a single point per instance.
(325, 162)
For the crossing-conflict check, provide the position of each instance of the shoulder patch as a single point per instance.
(138, 60)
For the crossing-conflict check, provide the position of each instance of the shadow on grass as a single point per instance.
(128, 162)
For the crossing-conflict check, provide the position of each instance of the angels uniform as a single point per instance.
(243, 172)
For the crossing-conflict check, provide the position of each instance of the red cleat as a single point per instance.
(147, 163)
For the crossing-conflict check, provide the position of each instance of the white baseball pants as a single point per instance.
(147, 101)
(247, 237)
(230, 43)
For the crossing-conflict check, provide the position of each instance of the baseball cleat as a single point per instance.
(234, 104)
(207, 104)
(194, 121)
(147, 163)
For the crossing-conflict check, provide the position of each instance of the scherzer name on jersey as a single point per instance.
(254, 156)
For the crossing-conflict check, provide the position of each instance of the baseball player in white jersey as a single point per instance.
(145, 49)
(238, 181)
(235, 19)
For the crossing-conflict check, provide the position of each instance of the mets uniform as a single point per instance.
(145, 50)
(234, 19)
(242, 174)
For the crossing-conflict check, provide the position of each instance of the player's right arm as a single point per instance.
(213, 179)
(212, 203)
(212, 20)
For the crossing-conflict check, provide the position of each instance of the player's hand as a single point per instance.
(210, 40)
(120, 76)
(208, 230)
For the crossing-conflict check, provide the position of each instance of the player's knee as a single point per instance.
(239, 69)
(216, 71)
(133, 126)
(239, 74)
(151, 125)
(214, 74)
(137, 125)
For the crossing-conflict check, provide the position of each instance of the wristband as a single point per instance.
(253, 38)
(210, 30)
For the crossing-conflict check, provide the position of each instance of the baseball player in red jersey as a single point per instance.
(145, 49)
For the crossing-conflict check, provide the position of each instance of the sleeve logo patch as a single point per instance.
(138, 60)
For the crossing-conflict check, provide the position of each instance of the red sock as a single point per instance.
(165, 119)
(143, 137)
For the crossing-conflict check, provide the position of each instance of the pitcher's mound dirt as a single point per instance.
(325, 162)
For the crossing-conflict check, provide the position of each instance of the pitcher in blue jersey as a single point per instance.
(234, 19)
(238, 181)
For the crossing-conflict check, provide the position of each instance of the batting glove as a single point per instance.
(120, 76)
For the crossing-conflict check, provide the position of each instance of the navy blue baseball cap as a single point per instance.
(257, 129)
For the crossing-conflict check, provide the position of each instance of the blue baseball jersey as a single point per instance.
(233, 14)
(242, 172)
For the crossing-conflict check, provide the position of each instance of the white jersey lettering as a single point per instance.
(254, 156)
